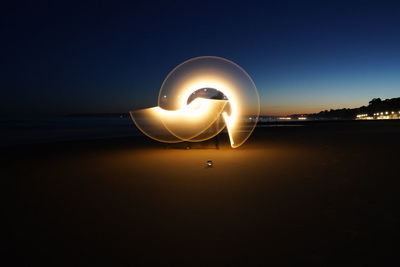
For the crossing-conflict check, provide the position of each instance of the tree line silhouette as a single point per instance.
(375, 105)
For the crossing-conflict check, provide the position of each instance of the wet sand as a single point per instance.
(322, 193)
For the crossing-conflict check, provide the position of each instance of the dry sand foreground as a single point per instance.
(324, 194)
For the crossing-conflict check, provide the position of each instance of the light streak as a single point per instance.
(176, 120)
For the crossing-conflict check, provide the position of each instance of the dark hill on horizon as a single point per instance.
(375, 105)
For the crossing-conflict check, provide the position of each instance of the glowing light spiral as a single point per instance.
(198, 99)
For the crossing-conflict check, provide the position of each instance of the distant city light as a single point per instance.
(387, 115)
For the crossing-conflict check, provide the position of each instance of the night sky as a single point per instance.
(112, 57)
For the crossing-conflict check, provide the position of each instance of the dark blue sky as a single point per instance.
(304, 56)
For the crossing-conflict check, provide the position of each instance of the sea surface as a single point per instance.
(16, 131)
(55, 129)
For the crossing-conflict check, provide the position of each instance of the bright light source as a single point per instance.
(176, 119)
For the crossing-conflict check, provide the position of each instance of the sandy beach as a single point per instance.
(323, 193)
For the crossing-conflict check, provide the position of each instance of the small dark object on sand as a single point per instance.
(209, 163)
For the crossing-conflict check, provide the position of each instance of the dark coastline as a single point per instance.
(324, 194)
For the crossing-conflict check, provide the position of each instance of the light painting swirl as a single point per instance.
(198, 99)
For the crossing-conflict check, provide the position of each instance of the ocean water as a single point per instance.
(56, 129)
(43, 130)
